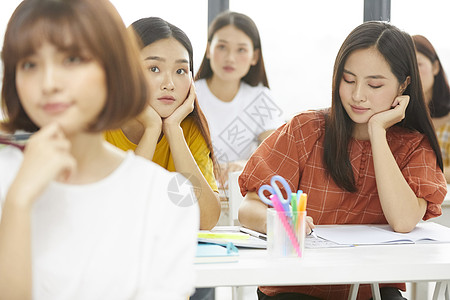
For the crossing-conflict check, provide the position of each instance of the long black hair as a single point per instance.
(398, 50)
(152, 29)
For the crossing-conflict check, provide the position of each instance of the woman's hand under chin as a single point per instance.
(182, 111)
(149, 118)
(385, 119)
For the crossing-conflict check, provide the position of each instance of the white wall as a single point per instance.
(300, 39)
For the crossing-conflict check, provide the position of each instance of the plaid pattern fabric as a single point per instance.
(295, 151)
(443, 136)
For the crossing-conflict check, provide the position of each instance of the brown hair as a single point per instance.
(92, 25)
(440, 103)
(257, 73)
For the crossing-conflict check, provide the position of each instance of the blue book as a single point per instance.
(214, 253)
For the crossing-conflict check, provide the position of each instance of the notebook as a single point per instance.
(214, 253)
(314, 242)
(425, 232)
(224, 234)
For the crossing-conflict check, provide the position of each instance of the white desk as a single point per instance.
(362, 264)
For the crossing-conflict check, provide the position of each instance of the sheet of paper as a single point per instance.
(312, 242)
(424, 232)
(382, 234)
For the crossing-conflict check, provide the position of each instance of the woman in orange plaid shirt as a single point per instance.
(372, 158)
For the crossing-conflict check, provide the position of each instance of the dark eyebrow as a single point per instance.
(239, 44)
(154, 58)
(370, 76)
(348, 72)
(158, 58)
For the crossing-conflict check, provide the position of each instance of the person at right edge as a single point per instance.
(437, 94)
(372, 158)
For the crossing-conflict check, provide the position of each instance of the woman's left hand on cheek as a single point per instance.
(183, 110)
(393, 115)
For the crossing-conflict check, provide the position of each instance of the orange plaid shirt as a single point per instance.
(295, 151)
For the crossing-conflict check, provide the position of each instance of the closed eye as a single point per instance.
(348, 81)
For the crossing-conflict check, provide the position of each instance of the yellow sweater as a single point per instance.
(443, 136)
(163, 156)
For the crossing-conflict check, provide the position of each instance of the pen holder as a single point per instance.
(285, 233)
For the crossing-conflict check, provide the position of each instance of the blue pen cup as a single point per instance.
(285, 233)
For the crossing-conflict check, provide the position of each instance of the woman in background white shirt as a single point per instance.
(233, 91)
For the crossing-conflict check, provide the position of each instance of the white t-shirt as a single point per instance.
(119, 238)
(236, 125)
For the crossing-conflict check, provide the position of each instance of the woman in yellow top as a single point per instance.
(172, 131)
